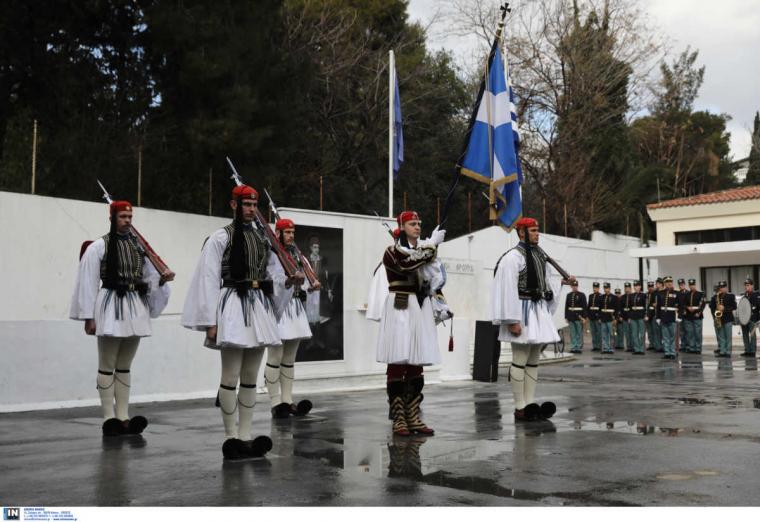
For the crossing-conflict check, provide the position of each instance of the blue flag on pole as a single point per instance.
(398, 133)
(491, 154)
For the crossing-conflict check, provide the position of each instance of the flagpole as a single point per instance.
(391, 92)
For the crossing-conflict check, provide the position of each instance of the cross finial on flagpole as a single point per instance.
(505, 9)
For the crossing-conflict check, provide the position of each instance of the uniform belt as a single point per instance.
(575, 309)
(594, 308)
(652, 307)
(248, 284)
(669, 309)
(637, 308)
(626, 309)
(608, 310)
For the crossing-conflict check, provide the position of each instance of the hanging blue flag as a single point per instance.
(398, 133)
(491, 153)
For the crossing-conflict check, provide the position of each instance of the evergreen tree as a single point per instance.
(753, 174)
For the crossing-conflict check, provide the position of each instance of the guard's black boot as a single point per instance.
(412, 401)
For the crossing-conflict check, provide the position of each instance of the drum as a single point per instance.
(744, 311)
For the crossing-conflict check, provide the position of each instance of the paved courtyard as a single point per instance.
(629, 431)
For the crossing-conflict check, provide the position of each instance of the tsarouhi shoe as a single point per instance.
(281, 411)
(548, 409)
(257, 447)
(532, 412)
(135, 425)
(302, 408)
(112, 427)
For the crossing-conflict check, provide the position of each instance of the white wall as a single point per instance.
(605, 258)
(745, 213)
(41, 237)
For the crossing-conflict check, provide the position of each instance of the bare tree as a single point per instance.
(564, 90)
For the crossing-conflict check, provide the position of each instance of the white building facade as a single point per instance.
(708, 237)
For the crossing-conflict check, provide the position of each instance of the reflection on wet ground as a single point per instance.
(623, 425)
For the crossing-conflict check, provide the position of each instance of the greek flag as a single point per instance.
(491, 151)
(398, 133)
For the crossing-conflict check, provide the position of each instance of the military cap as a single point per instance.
(722, 284)
(617, 291)
(606, 285)
(659, 280)
(637, 283)
(627, 285)
(692, 281)
(650, 284)
(749, 281)
(595, 284)
(667, 279)
(681, 281)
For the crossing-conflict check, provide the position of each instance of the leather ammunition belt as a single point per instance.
(575, 309)
(669, 308)
(608, 310)
(265, 285)
(626, 309)
(637, 308)
(122, 288)
(594, 308)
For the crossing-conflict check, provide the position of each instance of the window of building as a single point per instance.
(720, 235)
(734, 275)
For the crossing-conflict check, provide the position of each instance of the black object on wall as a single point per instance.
(485, 367)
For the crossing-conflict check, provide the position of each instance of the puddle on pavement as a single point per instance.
(687, 475)
(636, 428)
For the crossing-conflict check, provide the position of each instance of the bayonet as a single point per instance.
(106, 195)
(235, 175)
(385, 225)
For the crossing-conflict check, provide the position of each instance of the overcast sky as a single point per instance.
(727, 34)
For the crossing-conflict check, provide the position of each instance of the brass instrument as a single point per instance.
(717, 316)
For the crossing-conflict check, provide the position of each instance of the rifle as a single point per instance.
(143, 245)
(387, 227)
(288, 263)
(307, 269)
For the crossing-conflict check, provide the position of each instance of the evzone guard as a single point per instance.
(230, 298)
(293, 324)
(117, 292)
(408, 303)
(522, 303)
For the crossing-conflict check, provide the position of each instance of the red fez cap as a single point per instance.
(120, 206)
(282, 224)
(396, 233)
(244, 191)
(526, 222)
(407, 215)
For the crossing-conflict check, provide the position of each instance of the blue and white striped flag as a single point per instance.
(491, 154)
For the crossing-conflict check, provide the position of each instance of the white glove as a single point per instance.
(437, 236)
(678, 320)
(659, 321)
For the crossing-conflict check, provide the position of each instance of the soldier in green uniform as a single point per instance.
(682, 292)
(607, 317)
(659, 288)
(668, 317)
(638, 308)
(650, 319)
(693, 309)
(625, 316)
(619, 330)
(723, 305)
(575, 314)
(750, 341)
(594, 305)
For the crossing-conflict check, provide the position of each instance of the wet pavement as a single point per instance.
(629, 431)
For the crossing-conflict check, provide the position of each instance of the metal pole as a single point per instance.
(469, 211)
(438, 210)
(34, 157)
(321, 193)
(405, 204)
(391, 91)
(210, 188)
(139, 175)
